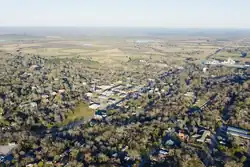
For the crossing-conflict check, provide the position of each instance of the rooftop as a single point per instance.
(5, 149)
(234, 129)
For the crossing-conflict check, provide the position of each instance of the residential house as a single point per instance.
(205, 134)
(61, 91)
(94, 106)
(97, 117)
(204, 69)
(5, 149)
(163, 152)
(189, 94)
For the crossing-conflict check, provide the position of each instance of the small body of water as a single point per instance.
(144, 41)
(87, 44)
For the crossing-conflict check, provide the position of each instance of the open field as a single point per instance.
(224, 55)
(81, 111)
(116, 50)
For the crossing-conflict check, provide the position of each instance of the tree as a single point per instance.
(233, 163)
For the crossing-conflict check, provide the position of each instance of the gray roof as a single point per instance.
(6, 149)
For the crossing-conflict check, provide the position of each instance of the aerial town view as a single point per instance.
(123, 97)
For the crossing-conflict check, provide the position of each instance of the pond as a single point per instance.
(144, 41)
(87, 44)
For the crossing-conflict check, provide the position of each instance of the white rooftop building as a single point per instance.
(94, 106)
(107, 93)
(89, 94)
(229, 61)
(204, 69)
(104, 87)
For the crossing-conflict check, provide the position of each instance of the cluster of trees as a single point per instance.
(122, 138)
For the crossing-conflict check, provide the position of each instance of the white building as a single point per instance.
(229, 61)
(213, 62)
(204, 69)
(94, 106)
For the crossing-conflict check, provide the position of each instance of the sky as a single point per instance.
(126, 13)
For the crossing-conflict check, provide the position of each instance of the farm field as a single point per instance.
(116, 50)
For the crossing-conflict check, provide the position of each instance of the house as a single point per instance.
(33, 104)
(61, 91)
(45, 96)
(1, 158)
(89, 94)
(33, 88)
(53, 93)
(101, 113)
(205, 134)
(163, 152)
(107, 93)
(49, 163)
(124, 148)
(189, 94)
(196, 136)
(204, 69)
(159, 155)
(6, 149)
(97, 117)
(35, 67)
(212, 62)
(127, 158)
(170, 142)
(105, 87)
(94, 106)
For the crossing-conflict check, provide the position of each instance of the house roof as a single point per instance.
(234, 129)
(5, 149)
(94, 106)
(239, 134)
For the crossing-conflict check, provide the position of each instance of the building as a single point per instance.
(107, 93)
(212, 62)
(94, 106)
(204, 69)
(216, 62)
(163, 152)
(169, 142)
(229, 61)
(6, 149)
(189, 94)
(238, 132)
(205, 134)
(245, 136)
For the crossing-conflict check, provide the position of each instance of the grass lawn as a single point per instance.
(82, 110)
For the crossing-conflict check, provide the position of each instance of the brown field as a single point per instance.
(117, 50)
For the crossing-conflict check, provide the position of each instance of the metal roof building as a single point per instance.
(246, 136)
(238, 130)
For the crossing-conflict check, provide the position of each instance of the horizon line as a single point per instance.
(160, 27)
